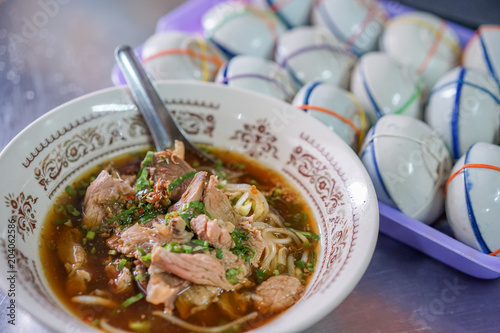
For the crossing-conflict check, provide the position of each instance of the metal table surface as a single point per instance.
(52, 51)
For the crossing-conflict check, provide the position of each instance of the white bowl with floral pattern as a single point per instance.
(54, 150)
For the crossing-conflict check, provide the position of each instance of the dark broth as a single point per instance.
(280, 194)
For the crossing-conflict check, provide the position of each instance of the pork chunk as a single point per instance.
(278, 293)
(103, 190)
(198, 268)
(164, 287)
(212, 232)
(168, 166)
(217, 204)
(194, 192)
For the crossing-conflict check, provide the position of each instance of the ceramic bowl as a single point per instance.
(408, 165)
(312, 53)
(257, 74)
(464, 108)
(358, 23)
(240, 28)
(384, 85)
(424, 43)
(66, 142)
(179, 56)
(335, 107)
(292, 13)
(472, 204)
(483, 51)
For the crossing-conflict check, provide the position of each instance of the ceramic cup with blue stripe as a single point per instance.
(464, 108)
(241, 28)
(257, 74)
(473, 198)
(483, 51)
(312, 53)
(292, 13)
(423, 42)
(358, 23)
(408, 165)
(384, 85)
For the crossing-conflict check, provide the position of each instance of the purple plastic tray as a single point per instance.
(434, 241)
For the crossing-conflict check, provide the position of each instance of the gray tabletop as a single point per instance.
(50, 54)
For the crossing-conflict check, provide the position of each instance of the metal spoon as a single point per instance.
(162, 125)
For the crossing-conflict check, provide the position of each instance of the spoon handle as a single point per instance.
(156, 115)
(162, 125)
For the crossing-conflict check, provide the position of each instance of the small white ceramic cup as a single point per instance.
(292, 13)
(179, 56)
(240, 28)
(257, 74)
(312, 53)
(408, 165)
(384, 85)
(335, 107)
(358, 23)
(424, 43)
(472, 204)
(464, 108)
(483, 51)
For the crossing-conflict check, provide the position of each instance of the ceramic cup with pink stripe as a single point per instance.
(423, 42)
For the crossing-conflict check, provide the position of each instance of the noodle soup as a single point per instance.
(156, 242)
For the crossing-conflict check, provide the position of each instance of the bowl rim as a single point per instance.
(357, 261)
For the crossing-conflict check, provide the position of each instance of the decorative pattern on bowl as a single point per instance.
(53, 151)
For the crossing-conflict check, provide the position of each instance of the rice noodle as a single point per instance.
(305, 256)
(200, 329)
(291, 265)
(282, 231)
(260, 205)
(282, 256)
(111, 329)
(95, 300)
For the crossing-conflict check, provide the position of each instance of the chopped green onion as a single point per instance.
(141, 250)
(219, 254)
(72, 210)
(261, 276)
(146, 258)
(278, 191)
(140, 326)
(179, 180)
(122, 264)
(93, 250)
(95, 322)
(142, 276)
(60, 221)
(112, 252)
(300, 264)
(142, 178)
(70, 190)
(231, 275)
(90, 234)
(122, 214)
(276, 272)
(131, 300)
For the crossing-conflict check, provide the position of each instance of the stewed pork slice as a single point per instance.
(232, 262)
(167, 166)
(138, 236)
(194, 192)
(120, 281)
(210, 231)
(278, 293)
(218, 205)
(199, 268)
(103, 191)
(163, 288)
(255, 240)
(196, 298)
